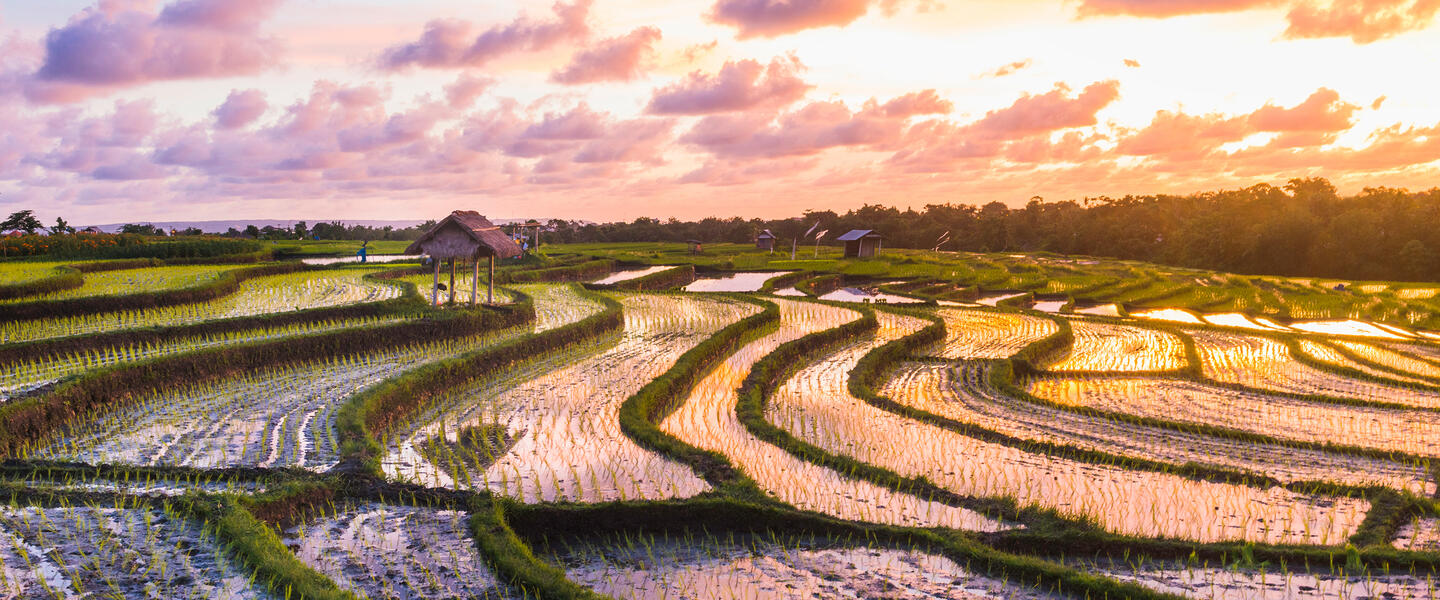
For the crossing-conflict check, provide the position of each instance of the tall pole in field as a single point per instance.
(452, 281)
(490, 295)
(474, 281)
(435, 286)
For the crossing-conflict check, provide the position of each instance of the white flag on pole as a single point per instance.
(811, 229)
(821, 233)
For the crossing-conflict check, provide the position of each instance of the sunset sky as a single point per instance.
(127, 110)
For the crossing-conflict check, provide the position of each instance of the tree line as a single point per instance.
(1304, 228)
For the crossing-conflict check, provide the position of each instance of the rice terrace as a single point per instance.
(719, 299)
(655, 420)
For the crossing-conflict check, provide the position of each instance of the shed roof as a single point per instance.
(484, 233)
(855, 234)
(765, 233)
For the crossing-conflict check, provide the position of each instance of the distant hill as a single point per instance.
(223, 226)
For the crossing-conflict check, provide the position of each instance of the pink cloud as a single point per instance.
(614, 59)
(232, 15)
(466, 88)
(446, 43)
(731, 173)
(1009, 68)
(742, 85)
(1322, 111)
(117, 45)
(815, 127)
(1179, 135)
(771, 18)
(240, 109)
(636, 140)
(1031, 114)
(1363, 21)
(1167, 8)
(925, 102)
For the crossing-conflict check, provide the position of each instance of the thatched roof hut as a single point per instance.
(464, 235)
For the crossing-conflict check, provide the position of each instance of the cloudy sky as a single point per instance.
(122, 110)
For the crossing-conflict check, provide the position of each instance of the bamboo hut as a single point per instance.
(464, 235)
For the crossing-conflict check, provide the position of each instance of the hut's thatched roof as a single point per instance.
(485, 239)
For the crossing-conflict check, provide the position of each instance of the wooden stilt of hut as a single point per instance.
(464, 235)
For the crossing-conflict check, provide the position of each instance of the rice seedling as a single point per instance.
(563, 416)
(1266, 363)
(130, 281)
(1109, 347)
(815, 406)
(1420, 534)
(745, 567)
(556, 305)
(707, 419)
(964, 394)
(45, 369)
(1239, 580)
(1392, 357)
(261, 295)
(142, 483)
(989, 334)
(279, 417)
(403, 552)
(1176, 400)
(25, 271)
(1331, 355)
(115, 552)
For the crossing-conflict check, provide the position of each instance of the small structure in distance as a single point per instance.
(696, 246)
(861, 243)
(464, 235)
(765, 240)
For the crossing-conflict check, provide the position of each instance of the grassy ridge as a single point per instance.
(253, 543)
(582, 271)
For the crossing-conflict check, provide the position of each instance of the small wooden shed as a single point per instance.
(765, 240)
(861, 243)
(464, 235)
(696, 246)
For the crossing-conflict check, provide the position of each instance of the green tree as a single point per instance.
(301, 230)
(1417, 262)
(141, 229)
(252, 231)
(23, 220)
(61, 227)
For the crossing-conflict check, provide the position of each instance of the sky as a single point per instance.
(129, 110)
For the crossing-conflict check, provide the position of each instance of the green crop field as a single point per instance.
(916, 425)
